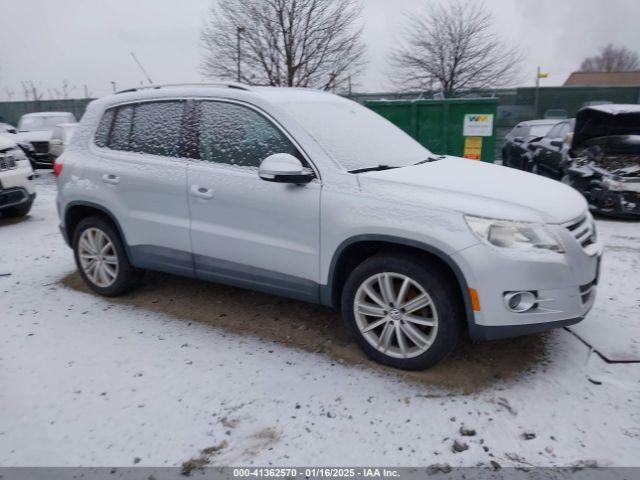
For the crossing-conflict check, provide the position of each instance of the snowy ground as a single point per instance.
(85, 381)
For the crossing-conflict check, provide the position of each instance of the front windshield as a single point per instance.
(355, 136)
(540, 130)
(35, 123)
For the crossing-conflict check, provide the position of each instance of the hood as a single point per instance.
(479, 188)
(7, 141)
(35, 136)
(606, 122)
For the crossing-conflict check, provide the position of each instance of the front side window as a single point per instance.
(237, 135)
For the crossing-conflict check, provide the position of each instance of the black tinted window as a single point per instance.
(119, 138)
(102, 133)
(238, 135)
(157, 128)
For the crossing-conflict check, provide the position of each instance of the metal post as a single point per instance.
(537, 92)
(239, 31)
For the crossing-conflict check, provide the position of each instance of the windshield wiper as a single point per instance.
(372, 169)
(430, 159)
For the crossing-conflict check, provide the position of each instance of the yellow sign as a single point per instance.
(472, 148)
(543, 75)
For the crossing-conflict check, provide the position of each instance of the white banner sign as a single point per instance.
(478, 125)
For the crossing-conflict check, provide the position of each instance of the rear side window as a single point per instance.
(157, 128)
(153, 128)
(102, 132)
(237, 135)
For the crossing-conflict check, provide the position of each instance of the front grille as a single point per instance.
(41, 147)
(7, 162)
(583, 230)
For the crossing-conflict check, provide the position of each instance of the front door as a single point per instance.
(246, 231)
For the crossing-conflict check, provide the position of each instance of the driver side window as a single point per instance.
(237, 135)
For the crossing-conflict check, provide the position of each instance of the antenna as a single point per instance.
(141, 68)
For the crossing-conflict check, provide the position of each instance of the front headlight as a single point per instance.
(514, 235)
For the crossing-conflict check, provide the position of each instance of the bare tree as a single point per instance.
(611, 59)
(295, 43)
(32, 91)
(452, 48)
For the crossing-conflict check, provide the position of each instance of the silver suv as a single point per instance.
(308, 195)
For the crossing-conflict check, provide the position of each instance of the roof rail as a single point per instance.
(238, 86)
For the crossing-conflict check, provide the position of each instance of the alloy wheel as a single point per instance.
(396, 315)
(98, 257)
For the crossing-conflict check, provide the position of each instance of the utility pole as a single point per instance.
(239, 32)
(113, 85)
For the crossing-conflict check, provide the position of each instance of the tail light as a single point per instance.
(57, 167)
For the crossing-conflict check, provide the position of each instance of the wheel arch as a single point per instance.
(77, 210)
(353, 251)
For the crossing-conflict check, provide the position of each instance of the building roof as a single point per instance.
(604, 79)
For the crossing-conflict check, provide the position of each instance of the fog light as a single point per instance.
(520, 302)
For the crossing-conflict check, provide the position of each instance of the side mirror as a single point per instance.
(556, 143)
(284, 168)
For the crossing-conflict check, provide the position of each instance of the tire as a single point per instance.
(17, 211)
(113, 275)
(444, 311)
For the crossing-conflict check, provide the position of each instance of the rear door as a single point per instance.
(142, 178)
(246, 231)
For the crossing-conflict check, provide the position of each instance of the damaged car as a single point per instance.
(603, 160)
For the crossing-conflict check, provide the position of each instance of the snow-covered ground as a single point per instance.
(85, 381)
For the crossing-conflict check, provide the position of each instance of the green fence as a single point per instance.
(460, 127)
(10, 112)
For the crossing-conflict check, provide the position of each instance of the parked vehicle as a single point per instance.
(27, 148)
(603, 159)
(7, 128)
(60, 138)
(37, 128)
(16, 187)
(516, 142)
(546, 155)
(312, 196)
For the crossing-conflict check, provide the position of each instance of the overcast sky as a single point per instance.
(88, 42)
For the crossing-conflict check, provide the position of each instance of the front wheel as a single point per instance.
(401, 311)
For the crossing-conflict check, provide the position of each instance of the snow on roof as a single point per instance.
(615, 109)
(46, 114)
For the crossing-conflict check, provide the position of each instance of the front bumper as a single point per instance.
(14, 197)
(615, 204)
(42, 160)
(564, 285)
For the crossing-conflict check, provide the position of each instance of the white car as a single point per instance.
(309, 195)
(17, 191)
(60, 138)
(36, 128)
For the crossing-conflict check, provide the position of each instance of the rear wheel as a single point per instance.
(101, 258)
(401, 311)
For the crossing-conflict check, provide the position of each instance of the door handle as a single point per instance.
(201, 192)
(110, 178)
